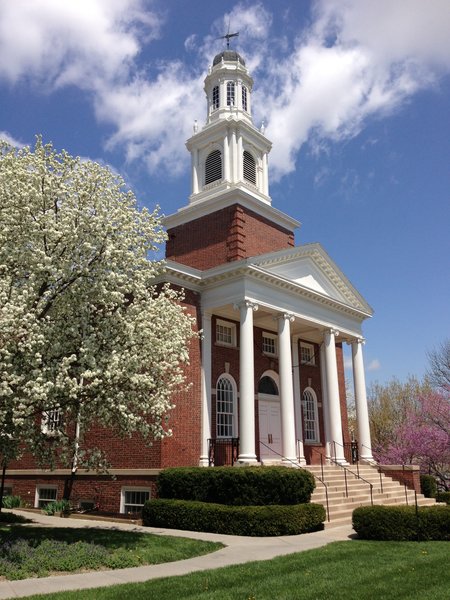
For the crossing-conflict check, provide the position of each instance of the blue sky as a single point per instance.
(355, 96)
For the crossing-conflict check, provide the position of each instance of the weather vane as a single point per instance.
(228, 35)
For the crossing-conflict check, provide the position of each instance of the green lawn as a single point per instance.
(39, 551)
(354, 570)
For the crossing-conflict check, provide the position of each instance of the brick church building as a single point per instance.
(267, 376)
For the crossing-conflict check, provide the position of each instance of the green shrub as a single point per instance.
(56, 507)
(246, 486)
(234, 520)
(11, 501)
(428, 486)
(443, 497)
(402, 523)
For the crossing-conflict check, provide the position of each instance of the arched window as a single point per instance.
(225, 407)
(267, 386)
(244, 97)
(249, 167)
(215, 97)
(231, 99)
(213, 167)
(310, 416)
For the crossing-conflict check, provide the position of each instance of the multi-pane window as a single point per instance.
(269, 344)
(310, 416)
(244, 97)
(215, 97)
(225, 333)
(307, 354)
(225, 408)
(267, 386)
(133, 500)
(213, 167)
(249, 167)
(45, 495)
(231, 93)
(52, 420)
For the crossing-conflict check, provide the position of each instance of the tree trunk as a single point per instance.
(2, 485)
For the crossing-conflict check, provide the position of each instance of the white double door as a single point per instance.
(269, 428)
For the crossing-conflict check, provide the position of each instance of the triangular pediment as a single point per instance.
(310, 267)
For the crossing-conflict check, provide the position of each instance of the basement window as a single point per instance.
(45, 495)
(132, 500)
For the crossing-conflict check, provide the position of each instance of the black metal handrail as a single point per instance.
(357, 475)
(322, 480)
(224, 443)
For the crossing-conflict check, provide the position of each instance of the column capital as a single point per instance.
(286, 316)
(332, 331)
(359, 340)
(246, 304)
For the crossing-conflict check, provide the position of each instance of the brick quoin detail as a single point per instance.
(224, 236)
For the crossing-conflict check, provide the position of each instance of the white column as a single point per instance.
(333, 395)
(226, 158)
(233, 152)
(362, 413)
(265, 187)
(195, 171)
(325, 404)
(247, 452)
(206, 388)
(286, 390)
(298, 403)
(239, 158)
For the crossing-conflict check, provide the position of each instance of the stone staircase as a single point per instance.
(341, 507)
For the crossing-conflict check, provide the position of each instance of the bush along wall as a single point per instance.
(402, 523)
(249, 486)
(269, 520)
(443, 497)
(428, 486)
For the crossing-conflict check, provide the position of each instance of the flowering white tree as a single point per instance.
(85, 336)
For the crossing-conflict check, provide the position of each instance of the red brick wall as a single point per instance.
(224, 236)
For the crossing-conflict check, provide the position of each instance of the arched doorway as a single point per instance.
(269, 418)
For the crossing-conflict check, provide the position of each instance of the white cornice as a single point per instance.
(227, 198)
(200, 281)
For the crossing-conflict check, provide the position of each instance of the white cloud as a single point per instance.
(354, 60)
(7, 137)
(374, 365)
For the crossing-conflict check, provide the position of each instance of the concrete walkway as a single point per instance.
(238, 550)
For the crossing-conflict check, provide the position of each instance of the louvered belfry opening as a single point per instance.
(249, 167)
(213, 167)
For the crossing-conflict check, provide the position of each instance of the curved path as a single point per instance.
(238, 550)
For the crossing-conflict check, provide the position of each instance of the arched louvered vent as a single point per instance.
(249, 167)
(213, 167)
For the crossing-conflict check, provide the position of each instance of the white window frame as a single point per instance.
(312, 360)
(270, 336)
(232, 327)
(38, 498)
(231, 93)
(52, 421)
(310, 424)
(232, 416)
(123, 502)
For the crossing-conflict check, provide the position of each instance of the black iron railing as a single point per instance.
(347, 470)
(223, 451)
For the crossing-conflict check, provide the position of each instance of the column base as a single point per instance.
(368, 460)
(203, 462)
(290, 462)
(246, 460)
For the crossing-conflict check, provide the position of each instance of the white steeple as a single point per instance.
(229, 152)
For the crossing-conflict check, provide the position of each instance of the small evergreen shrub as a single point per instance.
(428, 486)
(246, 486)
(11, 501)
(270, 520)
(443, 497)
(402, 523)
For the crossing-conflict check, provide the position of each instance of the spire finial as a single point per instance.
(228, 35)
